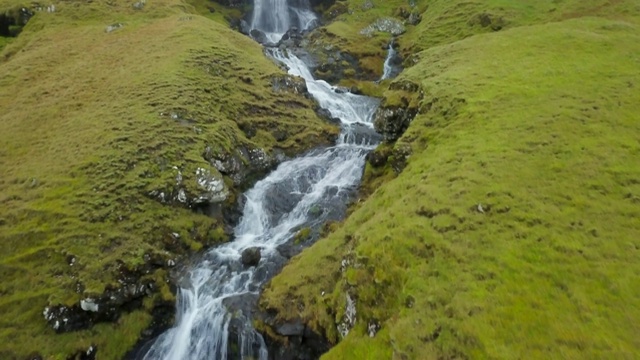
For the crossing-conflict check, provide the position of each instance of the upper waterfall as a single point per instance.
(275, 17)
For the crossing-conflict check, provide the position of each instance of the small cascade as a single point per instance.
(392, 64)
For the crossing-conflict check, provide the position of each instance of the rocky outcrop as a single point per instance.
(12, 21)
(398, 109)
(92, 310)
(386, 25)
(292, 340)
(392, 121)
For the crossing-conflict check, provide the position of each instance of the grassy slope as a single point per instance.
(547, 139)
(82, 142)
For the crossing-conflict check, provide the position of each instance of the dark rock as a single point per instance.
(379, 156)
(302, 343)
(12, 21)
(391, 122)
(295, 328)
(244, 27)
(326, 114)
(259, 36)
(251, 256)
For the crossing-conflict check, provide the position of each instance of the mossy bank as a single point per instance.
(127, 131)
(504, 215)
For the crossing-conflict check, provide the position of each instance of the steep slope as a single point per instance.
(122, 124)
(513, 230)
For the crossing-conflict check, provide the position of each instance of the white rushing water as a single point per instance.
(389, 71)
(276, 17)
(213, 320)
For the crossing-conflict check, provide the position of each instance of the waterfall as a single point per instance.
(392, 66)
(275, 17)
(215, 297)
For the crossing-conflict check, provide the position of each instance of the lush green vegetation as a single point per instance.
(514, 230)
(91, 123)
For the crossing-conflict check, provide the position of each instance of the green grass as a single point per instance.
(538, 123)
(83, 141)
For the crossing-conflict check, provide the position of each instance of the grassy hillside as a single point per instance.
(92, 122)
(514, 230)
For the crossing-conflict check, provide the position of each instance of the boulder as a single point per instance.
(251, 256)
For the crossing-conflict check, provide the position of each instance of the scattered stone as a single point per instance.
(373, 328)
(349, 317)
(113, 27)
(251, 256)
(138, 5)
(480, 208)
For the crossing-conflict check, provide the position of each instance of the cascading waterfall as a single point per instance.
(303, 192)
(391, 67)
(275, 17)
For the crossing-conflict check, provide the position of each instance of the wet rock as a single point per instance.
(251, 256)
(244, 27)
(291, 38)
(386, 25)
(326, 114)
(361, 134)
(260, 37)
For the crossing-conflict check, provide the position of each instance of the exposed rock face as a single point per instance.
(392, 121)
(107, 306)
(289, 83)
(302, 343)
(212, 186)
(387, 25)
(244, 164)
(12, 21)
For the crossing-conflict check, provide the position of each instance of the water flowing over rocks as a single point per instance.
(217, 299)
